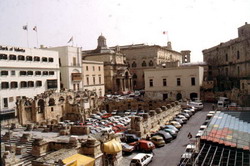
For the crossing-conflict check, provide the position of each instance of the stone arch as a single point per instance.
(61, 99)
(134, 64)
(54, 121)
(151, 63)
(144, 64)
(193, 95)
(51, 102)
(41, 105)
(178, 96)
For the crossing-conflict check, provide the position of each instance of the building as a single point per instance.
(93, 77)
(229, 62)
(70, 67)
(141, 57)
(117, 77)
(173, 83)
(26, 72)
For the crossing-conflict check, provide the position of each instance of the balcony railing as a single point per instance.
(76, 76)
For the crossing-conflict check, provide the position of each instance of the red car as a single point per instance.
(107, 115)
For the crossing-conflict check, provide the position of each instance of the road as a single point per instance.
(170, 154)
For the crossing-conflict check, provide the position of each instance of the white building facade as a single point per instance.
(70, 67)
(26, 72)
(174, 83)
(93, 77)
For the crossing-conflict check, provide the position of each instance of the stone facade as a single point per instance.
(173, 83)
(117, 77)
(229, 62)
(51, 107)
(141, 57)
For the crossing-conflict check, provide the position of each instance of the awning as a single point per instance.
(112, 147)
(79, 160)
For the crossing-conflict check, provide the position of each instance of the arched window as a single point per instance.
(134, 64)
(40, 106)
(144, 64)
(52, 102)
(151, 63)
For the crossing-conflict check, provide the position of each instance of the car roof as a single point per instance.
(140, 155)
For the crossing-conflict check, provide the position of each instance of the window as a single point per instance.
(99, 68)
(44, 59)
(37, 72)
(87, 79)
(164, 81)
(74, 87)
(238, 70)
(37, 59)
(12, 57)
(151, 83)
(51, 60)
(52, 84)
(238, 54)
(23, 73)
(94, 80)
(4, 73)
(45, 72)
(178, 81)
(3, 56)
(5, 85)
(51, 73)
(29, 73)
(5, 102)
(52, 102)
(74, 61)
(151, 63)
(13, 85)
(128, 65)
(13, 72)
(144, 64)
(38, 83)
(41, 106)
(20, 57)
(193, 81)
(30, 84)
(226, 57)
(93, 68)
(87, 68)
(134, 64)
(23, 84)
(100, 79)
(29, 58)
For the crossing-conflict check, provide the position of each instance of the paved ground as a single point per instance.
(170, 154)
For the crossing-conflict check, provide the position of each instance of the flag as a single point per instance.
(70, 40)
(165, 32)
(25, 27)
(35, 28)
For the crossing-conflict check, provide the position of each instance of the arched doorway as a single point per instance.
(178, 96)
(193, 96)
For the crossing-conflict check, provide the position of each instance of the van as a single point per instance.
(141, 159)
(224, 99)
(196, 105)
(220, 104)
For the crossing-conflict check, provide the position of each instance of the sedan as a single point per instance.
(172, 132)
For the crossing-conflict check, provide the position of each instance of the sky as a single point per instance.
(192, 25)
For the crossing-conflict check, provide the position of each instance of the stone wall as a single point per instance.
(153, 119)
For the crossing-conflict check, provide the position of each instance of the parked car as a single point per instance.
(157, 140)
(131, 138)
(201, 131)
(165, 135)
(169, 127)
(197, 105)
(144, 145)
(190, 112)
(126, 148)
(190, 152)
(175, 124)
(172, 132)
(178, 120)
(185, 114)
(106, 115)
(141, 159)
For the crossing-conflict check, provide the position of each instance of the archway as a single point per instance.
(178, 96)
(193, 96)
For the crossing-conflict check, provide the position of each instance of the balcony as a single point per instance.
(76, 76)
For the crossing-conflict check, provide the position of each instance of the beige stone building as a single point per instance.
(229, 62)
(174, 83)
(93, 77)
(141, 57)
(117, 77)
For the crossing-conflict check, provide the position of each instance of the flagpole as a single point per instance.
(37, 38)
(72, 41)
(27, 35)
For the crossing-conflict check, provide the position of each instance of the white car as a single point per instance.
(141, 159)
(197, 105)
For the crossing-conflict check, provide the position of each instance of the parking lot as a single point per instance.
(170, 154)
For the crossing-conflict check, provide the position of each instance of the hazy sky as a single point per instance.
(191, 24)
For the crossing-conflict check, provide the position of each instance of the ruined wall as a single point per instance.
(153, 119)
